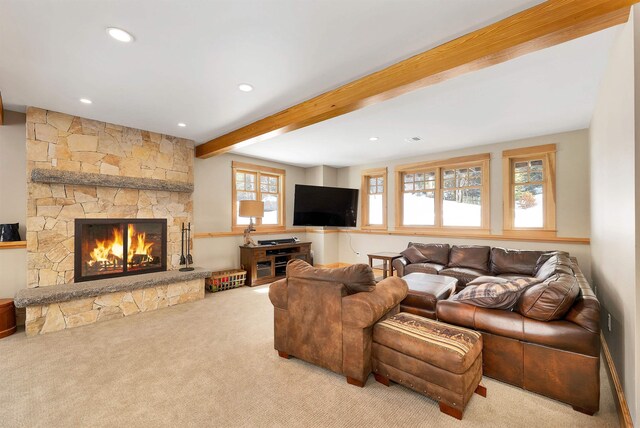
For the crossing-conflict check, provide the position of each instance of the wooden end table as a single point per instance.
(7, 318)
(387, 262)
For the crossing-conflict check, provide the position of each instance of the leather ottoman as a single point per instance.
(441, 361)
(424, 292)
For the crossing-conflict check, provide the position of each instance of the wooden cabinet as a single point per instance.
(267, 263)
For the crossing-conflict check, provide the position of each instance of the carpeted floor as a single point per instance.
(212, 363)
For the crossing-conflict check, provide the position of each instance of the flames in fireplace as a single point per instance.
(115, 247)
(109, 251)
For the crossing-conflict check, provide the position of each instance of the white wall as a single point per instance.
(212, 209)
(13, 200)
(614, 202)
(572, 213)
(325, 245)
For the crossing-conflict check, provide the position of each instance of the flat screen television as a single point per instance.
(325, 206)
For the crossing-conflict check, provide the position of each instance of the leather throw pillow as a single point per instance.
(495, 295)
(551, 299)
(414, 255)
(470, 256)
(433, 253)
(356, 278)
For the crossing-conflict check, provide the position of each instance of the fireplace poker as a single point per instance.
(186, 259)
(182, 258)
(189, 258)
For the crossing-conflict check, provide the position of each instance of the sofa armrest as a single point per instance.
(563, 335)
(457, 313)
(362, 310)
(399, 264)
(278, 293)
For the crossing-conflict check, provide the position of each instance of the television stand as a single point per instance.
(268, 263)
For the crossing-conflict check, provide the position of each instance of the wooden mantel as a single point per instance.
(547, 24)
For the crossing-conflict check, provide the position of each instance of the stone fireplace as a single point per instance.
(108, 248)
(103, 201)
(79, 168)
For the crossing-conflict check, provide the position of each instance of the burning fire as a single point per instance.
(107, 250)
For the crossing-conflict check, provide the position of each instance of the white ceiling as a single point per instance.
(549, 91)
(189, 56)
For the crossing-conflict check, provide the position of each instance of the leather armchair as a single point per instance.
(320, 322)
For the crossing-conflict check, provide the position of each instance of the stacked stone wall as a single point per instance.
(68, 143)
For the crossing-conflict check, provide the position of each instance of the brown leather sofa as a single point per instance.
(466, 262)
(326, 316)
(550, 342)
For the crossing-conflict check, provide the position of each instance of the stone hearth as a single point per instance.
(60, 307)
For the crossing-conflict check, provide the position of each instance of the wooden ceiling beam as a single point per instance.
(542, 26)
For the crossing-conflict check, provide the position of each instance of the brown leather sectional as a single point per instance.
(550, 342)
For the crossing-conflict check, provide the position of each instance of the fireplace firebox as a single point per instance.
(107, 248)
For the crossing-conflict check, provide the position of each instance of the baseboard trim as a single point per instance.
(621, 402)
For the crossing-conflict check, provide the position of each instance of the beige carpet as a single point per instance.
(212, 363)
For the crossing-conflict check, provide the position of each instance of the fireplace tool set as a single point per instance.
(186, 259)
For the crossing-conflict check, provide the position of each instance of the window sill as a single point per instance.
(523, 233)
(239, 231)
(382, 227)
(445, 231)
(531, 237)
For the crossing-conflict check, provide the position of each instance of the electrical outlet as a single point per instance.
(609, 321)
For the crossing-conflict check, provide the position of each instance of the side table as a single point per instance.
(387, 262)
(7, 318)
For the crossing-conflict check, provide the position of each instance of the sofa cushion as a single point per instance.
(463, 275)
(496, 294)
(356, 278)
(470, 256)
(431, 268)
(514, 261)
(510, 276)
(553, 263)
(433, 253)
(549, 300)
(547, 255)
(414, 255)
(486, 278)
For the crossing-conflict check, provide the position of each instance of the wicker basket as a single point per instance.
(226, 280)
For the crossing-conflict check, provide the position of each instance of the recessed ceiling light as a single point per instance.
(119, 35)
(373, 139)
(182, 125)
(245, 87)
(86, 101)
(413, 139)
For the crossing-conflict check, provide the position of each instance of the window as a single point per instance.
(446, 194)
(418, 199)
(462, 197)
(258, 183)
(529, 190)
(373, 199)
